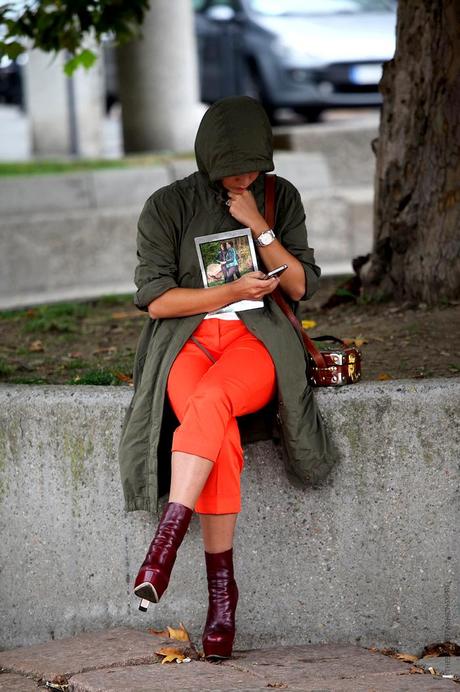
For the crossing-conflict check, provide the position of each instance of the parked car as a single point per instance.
(11, 81)
(307, 55)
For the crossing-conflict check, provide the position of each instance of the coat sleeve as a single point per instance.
(292, 233)
(156, 270)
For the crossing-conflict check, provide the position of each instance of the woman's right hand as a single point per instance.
(254, 286)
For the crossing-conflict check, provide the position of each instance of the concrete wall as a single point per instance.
(371, 557)
(73, 235)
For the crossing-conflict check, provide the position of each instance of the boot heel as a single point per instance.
(143, 605)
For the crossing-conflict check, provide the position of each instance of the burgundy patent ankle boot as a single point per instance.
(153, 577)
(219, 631)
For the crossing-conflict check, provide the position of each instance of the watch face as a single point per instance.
(266, 237)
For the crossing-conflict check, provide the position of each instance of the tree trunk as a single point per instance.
(416, 254)
(158, 81)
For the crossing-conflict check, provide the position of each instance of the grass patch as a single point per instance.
(48, 167)
(100, 377)
(6, 368)
(62, 317)
(28, 380)
(110, 299)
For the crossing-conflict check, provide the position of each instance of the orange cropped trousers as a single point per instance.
(207, 391)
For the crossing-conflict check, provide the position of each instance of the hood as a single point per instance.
(234, 137)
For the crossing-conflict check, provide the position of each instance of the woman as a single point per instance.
(231, 262)
(222, 261)
(209, 372)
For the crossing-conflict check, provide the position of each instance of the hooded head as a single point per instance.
(234, 137)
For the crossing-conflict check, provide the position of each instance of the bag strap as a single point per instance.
(270, 182)
(203, 348)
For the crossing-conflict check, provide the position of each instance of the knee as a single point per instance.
(211, 396)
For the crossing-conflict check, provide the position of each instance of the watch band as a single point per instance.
(265, 238)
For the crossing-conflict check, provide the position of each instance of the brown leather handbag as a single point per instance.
(330, 362)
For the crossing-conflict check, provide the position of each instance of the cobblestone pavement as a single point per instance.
(124, 660)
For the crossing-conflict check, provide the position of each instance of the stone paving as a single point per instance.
(123, 660)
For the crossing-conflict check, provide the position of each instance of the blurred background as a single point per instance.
(80, 154)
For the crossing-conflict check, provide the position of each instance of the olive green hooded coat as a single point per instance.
(234, 137)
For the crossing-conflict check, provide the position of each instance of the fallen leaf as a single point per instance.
(441, 649)
(121, 376)
(357, 341)
(384, 376)
(170, 654)
(60, 680)
(408, 658)
(309, 324)
(180, 633)
(36, 346)
(75, 354)
(158, 633)
(413, 670)
(105, 349)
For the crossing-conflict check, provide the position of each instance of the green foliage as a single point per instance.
(27, 380)
(84, 59)
(5, 368)
(62, 317)
(99, 377)
(8, 168)
(55, 25)
(112, 299)
(344, 292)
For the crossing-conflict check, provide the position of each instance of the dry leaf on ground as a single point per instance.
(357, 341)
(171, 654)
(105, 349)
(384, 376)
(408, 658)
(164, 634)
(122, 377)
(441, 649)
(36, 346)
(413, 670)
(179, 633)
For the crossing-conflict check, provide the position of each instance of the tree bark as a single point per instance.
(416, 253)
(158, 81)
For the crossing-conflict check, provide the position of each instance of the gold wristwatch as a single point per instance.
(265, 238)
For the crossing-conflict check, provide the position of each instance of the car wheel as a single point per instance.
(311, 113)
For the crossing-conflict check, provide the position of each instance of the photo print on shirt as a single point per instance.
(225, 257)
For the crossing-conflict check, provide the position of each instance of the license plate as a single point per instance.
(365, 74)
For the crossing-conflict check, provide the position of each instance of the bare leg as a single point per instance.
(218, 531)
(189, 473)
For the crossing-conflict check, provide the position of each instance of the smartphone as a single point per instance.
(276, 272)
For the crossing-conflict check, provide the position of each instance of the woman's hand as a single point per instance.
(253, 286)
(243, 207)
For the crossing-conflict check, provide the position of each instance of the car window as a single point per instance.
(309, 7)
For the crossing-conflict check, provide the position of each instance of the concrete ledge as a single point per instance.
(345, 147)
(370, 558)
